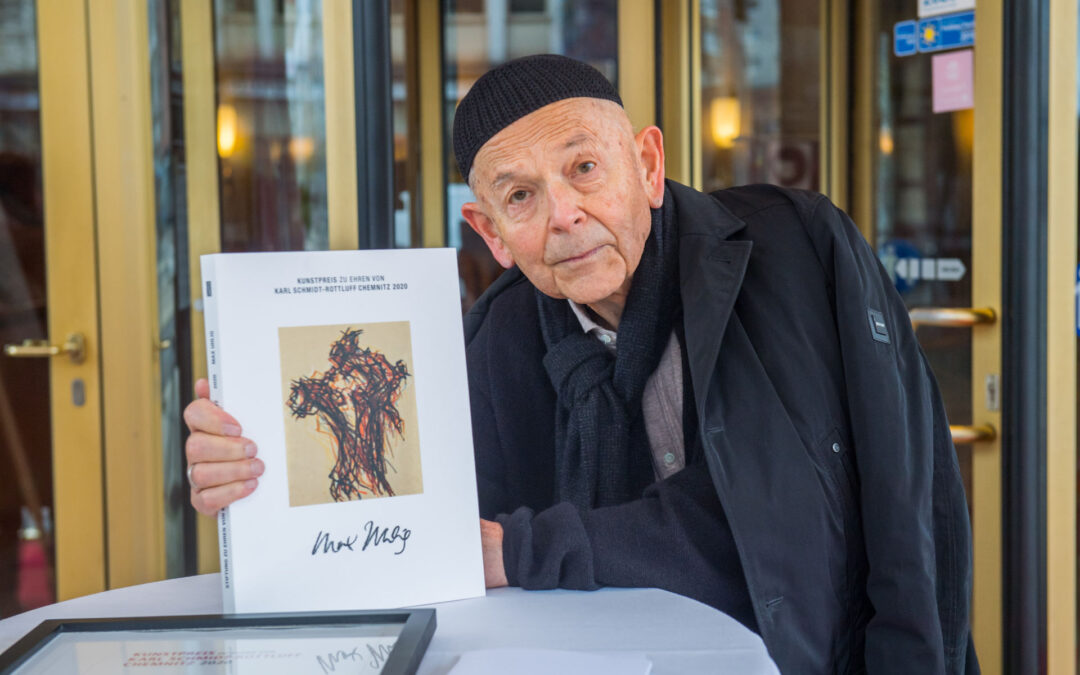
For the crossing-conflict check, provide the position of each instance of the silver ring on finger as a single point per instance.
(191, 482)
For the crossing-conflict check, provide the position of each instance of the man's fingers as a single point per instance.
(202, 415)
(206, 475)
(204, 447)
(491, 540)
(222, 467)
(208, 502)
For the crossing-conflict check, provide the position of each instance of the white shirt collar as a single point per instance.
(588, 325)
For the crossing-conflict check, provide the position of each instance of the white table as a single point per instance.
(677, 634)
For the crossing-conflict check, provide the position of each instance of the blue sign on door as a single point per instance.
(906, 38)
(899, 256)
(947, 32)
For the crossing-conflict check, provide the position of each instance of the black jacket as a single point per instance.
(824, 438)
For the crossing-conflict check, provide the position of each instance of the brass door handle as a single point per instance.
(74, 347)
(980, 433)
(951, 316)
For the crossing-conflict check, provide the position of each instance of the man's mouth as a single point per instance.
(582, 257)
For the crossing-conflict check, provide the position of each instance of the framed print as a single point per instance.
(375, 642)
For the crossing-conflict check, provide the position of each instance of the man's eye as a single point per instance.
(586, 167)
(518, 196)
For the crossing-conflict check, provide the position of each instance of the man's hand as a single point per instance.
(491, 537)
(221, 464)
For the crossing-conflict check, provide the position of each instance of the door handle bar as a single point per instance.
(952, 316)
(74, 347)
(959, 317)
(979, 433)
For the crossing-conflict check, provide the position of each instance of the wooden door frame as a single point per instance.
(1061, 362)
(72, 287)
(1061, 476)
(986, 254)
(124, 203)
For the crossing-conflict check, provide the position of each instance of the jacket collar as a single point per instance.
(711, 270)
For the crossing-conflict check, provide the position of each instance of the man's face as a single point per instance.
(564, 193)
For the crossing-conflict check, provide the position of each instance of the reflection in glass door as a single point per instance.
(478, 36)
(922, 188)
(761, 71)
(27, 579)
(271, 133)
(926, 190)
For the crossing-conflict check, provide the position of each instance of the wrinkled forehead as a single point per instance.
(554, 129)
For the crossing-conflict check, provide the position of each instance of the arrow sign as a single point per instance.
(940, 269)
(950, 269)
(902, 270)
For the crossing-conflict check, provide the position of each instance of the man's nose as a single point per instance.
(566, 211)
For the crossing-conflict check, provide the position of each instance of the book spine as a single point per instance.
(213, 366)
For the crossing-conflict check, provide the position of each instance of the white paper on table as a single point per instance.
(546, 661)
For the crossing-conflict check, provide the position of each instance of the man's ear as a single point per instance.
(485, 227)
(650, 145)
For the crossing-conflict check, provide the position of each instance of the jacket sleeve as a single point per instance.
(917, 539)
(671, 538)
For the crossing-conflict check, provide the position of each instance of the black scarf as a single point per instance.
(602, 453)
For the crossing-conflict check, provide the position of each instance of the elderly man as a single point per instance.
(719, 395)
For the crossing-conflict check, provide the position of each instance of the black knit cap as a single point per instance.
(511, 91)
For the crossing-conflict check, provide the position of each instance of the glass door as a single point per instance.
(26, 574)
(926, 179)
(477, 36)
(51, 529)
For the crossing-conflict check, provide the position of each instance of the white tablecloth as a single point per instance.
(679, 635)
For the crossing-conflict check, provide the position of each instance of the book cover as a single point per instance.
(347, 369)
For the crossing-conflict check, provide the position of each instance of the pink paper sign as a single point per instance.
(954, 81)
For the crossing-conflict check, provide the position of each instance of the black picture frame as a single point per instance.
(417, 628)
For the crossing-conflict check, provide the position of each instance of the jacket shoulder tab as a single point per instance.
(476, 316)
